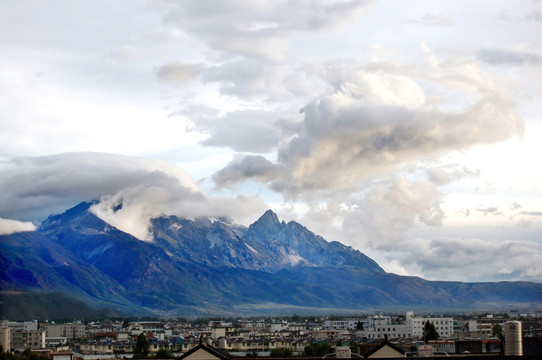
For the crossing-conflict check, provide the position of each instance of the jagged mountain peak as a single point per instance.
(71, 213)
(269, 218)
(192, 265)
(266, 227)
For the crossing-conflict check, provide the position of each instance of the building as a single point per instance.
(385, 350)
(33, 339)
(444, 326)
(346, 324)
(65, 355)
(68, 331)
(20, 325)
(380, 327)
(392, 331)
(204, 352)
(5, 338)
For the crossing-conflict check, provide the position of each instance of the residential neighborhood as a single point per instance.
(263, 337)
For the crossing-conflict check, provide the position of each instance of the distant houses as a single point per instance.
(371, 336)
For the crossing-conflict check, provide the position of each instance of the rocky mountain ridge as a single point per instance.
(205, 266)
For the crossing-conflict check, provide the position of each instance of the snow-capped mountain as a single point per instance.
(268, 244)
(213, 266)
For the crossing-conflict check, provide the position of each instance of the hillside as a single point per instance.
(212, 266)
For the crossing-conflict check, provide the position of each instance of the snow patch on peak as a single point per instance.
(293, 259)
(214, 239)
(100, 250)
(175, 227)
(251, 249)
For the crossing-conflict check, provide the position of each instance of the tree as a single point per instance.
(496, 330)
(163, 354)
(317, 349)
(429, 332)
(6, 355)
(125, 323)
(359, 325)
(281, 352)
(141, 349)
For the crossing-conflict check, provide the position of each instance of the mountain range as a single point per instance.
(213, 266)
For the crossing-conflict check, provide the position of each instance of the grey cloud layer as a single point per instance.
(509, 57)
(40, 186)
(258, 29)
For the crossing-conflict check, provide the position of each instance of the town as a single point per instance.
(406, 334)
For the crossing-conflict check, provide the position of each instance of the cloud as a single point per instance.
(445, 174)
(509, 57)
(242, 130)
(534, 15)
(430, 19)
(381, 218)
(246, 78)
(252, 166)
(128, 53)
(532, 213)
(490, 210)
(131, 190)
(44, 184)
(477, 249)
(381, 116)
(479, 259)
(258, 30)
(8, 226)
(177, 72)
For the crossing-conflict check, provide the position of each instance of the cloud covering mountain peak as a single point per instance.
(146, 188)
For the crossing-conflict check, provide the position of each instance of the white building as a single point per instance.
(444, 326)
(392, 331)
(347, 324)
(20, 325)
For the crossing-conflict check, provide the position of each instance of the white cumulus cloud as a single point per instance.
(8, 226)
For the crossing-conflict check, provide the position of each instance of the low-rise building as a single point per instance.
(392, 331)
(443, 325)
(33, 339)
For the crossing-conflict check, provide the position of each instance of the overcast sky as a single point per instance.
(409, 130)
